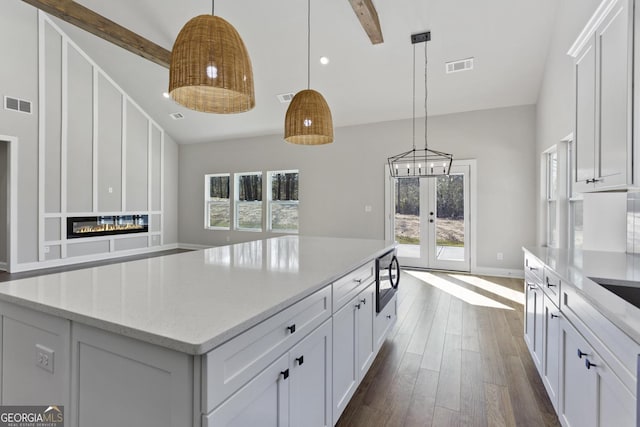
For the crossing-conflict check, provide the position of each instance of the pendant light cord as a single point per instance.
(308, 44)
(414, 97)
(213, 7)
(425, 97)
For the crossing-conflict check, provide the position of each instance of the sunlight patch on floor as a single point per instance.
(489, 286)
(457, 291)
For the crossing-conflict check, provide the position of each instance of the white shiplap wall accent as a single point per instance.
(44, 23)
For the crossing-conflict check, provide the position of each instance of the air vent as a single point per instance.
(15, 104)
(460, 65)
(285, 98)
(177, 116)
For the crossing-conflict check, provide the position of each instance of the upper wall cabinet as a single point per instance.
(603, 94)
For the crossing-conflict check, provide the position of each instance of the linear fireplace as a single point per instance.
(92, 226)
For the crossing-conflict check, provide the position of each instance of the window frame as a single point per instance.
(208, 201)
(271, 202)
(237, 203)
(551, 197)
(575, 199)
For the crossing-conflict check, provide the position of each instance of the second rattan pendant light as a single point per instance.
(308, 120)
(210, 67)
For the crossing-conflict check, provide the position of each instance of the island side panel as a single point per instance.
(136, 383)
(34, 357)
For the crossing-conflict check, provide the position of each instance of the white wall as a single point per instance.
(555, 107)
(338, 180)
(4, 181)
(19, 78)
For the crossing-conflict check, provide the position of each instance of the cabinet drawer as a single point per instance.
(617, 348)
(384, 321)
(350, 285)
(551, 286)
(533, 268)
(234, 363)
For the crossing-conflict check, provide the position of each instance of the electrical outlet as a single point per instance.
(44, 358)
(499, 256)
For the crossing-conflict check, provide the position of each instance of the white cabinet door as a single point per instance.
(591, 394)
(264, 401)
(533, 322)
(577, 400)
(311, 375)
(352, 347)
(551, 350)
(585, 132)
(345, 351)
(613, 41)
(365, 309)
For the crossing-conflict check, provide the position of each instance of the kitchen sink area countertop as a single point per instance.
(608, 280)
(194, 301)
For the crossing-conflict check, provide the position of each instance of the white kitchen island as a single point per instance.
(234, 335)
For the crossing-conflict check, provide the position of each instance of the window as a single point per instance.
(575, 205)
(217, 204)
(551, 162)
(283, 201)
(248, 201)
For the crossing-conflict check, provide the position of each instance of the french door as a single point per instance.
(429, 218)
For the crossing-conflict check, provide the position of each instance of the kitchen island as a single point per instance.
(207, 337)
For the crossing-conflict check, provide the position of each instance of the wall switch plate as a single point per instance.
(367, 208)
(44, 358)
(110, 190)
(499, 256)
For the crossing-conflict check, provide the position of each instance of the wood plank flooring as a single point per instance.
(449, 362)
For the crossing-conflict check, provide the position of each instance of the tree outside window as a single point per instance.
(283, 201)
(248, 202)
(217, 202)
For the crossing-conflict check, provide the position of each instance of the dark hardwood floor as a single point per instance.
(5, 277)
(454, 358)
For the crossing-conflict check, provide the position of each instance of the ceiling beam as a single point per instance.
(368, 16)
(98, 25)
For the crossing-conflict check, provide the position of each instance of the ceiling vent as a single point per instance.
(16, 104)
(177, 116)
(460, 65)
(285, 98)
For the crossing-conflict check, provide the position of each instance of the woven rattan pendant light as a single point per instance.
(308, 120)
(210, 67)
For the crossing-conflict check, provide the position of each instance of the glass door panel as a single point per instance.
(430, 220)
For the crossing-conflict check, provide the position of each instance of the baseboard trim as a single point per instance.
(193, 247)
(498, 272)
(31, 266)
(4, 266)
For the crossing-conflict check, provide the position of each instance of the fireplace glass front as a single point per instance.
(92, 226)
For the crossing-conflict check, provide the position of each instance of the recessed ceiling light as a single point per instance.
(166, 94)
(324, 60)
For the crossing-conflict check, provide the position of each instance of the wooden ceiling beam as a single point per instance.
(368, 16)
(98, 25)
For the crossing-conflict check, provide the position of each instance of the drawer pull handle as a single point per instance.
(358, 306)
(389, 316)
(555, 316)
(358, 281)
(532, 268)
(531, 286)
(292, 328)
(588, 363)
(581, 353)
(285, 374)
(549, 284)
(594, 180)
(363, 301)
(300, 360)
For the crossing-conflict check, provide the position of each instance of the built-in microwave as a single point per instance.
(387, 278)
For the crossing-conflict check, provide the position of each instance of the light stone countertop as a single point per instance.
(194, 301)
(576, 267)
